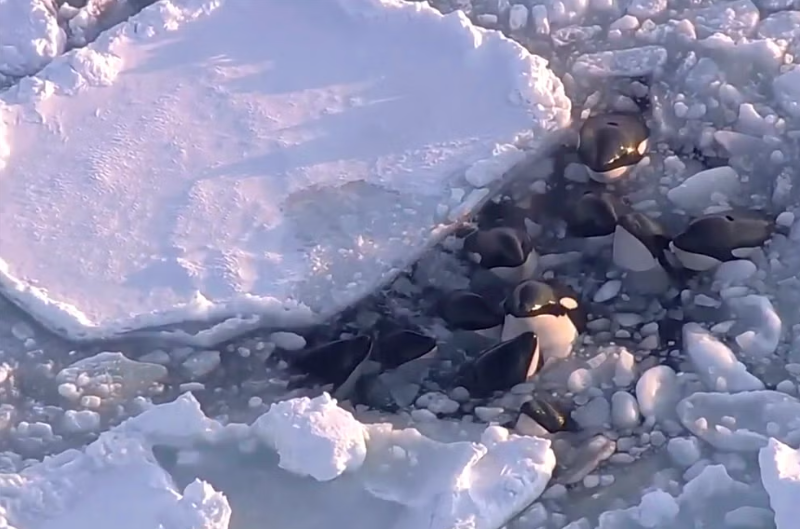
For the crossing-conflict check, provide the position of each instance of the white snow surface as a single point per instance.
(442, 485)
(192, 175)
(30, 37)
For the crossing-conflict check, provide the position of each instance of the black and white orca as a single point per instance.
(610, 145)
(555, 315)
(715, 238)
(396, 348)
(503, 366)
(507, 252)
(594, 217)
(640, 243)
(340, 363)
(468, 311)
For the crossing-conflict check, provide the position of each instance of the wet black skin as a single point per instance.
(593, 215)
(611, 141)
(546, 296)
(397, 348)
(334, 362)
(500, 247)
(718, 234)
(500, 367)
(549, 416)
(469, 311)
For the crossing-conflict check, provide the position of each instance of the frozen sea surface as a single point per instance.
(687, 403)
(281, 179)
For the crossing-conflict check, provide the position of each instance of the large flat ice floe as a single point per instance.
(215, 158)
(359, 476)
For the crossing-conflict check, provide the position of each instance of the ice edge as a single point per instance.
(547, 105)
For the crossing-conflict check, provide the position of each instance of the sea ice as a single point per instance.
(119, 473)
(314, 437)
(780, 474)
(402, 478)
(715, 362)
(742, 422)
(194, 176)
(30, 37)
(696, 192)
(763, 323)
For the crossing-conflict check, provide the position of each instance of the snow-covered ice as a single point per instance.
(403, 477)
(30, 37)
(685, 402)
(193, 175)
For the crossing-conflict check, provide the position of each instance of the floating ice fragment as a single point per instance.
(740, 422)
(632, 62)
(780, 475)
(786, 88)
(715, 362)
(624, 410)
(113, 377)
(657, 393)
(757, 313)
(695, 193)
(313, 437)
(734, 19)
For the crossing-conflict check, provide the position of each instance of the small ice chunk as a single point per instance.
(785, 219)
(579, 380)
(715, 362)
(586, 459)
(786, 88)
(113, 377)
(438, 403)
(518, 17)
(488, 413)
(696, 192)
(624, 410)
(785, 25)
(313, 437)
(749, 517)
(657, 392)
(625, 368)
(645, 9)
(83, 421)
(735, 19)
(735, 272)
(780, 475)
(757, 313)
(595, 414)
(631, 62)
(608, 291)
(657, 509)
(484, 172)
(288, 341)
(741, 422)
(684, 451)
(628, 319)
(202, 363)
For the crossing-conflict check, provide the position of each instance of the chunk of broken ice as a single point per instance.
(715, 362)
(313, 437)
(742, 422)
(113, 377)
(696, 192)
(631, 62)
